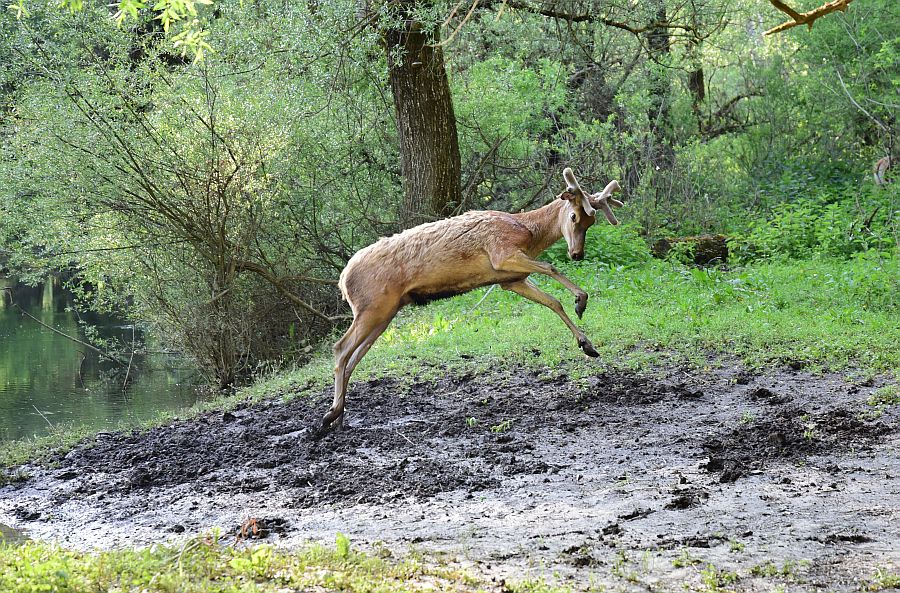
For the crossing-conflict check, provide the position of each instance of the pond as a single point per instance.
(49, 382)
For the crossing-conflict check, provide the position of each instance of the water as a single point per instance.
(48, 382)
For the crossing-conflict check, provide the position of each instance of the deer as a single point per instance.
(455, 255)
(882, 166)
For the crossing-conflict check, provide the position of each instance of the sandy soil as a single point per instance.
(634, 481)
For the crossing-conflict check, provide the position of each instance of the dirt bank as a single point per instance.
(620, 478)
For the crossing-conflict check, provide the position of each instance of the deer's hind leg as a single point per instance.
(350, 349)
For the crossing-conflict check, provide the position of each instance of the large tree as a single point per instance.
(426, 123)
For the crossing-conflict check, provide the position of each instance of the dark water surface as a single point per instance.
(48, 382)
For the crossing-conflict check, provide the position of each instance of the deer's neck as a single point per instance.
(544, 226)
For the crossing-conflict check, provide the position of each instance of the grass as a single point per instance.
(204, 564)
(882, 579)
(889, 395)
(819, 314)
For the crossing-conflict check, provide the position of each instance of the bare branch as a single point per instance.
(278, 283)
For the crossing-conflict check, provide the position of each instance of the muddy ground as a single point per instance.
(630, 480)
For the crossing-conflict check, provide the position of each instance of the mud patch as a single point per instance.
(271, 446)
(612, 478)
(789, 432)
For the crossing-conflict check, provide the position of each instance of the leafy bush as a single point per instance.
(835, 222)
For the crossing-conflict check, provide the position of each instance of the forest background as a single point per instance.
(211, 181)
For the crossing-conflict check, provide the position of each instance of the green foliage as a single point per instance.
(190, 37)
(835, 222)
(177, 197)
(611, 246)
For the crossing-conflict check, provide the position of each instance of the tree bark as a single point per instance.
(658, 46)
(426, 123)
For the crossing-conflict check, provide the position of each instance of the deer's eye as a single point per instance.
(574, 217)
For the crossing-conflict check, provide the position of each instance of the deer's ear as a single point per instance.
(566, 196)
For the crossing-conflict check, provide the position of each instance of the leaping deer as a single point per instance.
(449, 257)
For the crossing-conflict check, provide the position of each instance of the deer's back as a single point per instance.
(433, 260)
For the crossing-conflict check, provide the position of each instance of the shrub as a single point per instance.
(835, 222)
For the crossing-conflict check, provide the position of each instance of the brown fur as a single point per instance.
(449, 255)
(882, 166)
(453, 256)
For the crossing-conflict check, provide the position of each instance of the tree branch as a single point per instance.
(551, 12)
(806, 18)
(278, 283)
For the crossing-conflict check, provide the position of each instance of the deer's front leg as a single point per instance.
(533, 293)
(519, 262)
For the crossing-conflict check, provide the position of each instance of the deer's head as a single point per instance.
(581, 211)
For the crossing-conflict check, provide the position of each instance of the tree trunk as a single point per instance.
(697, 85)
(426, 124)
(658, 45)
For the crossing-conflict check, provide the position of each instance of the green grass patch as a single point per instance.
(889, 395)
(205, 565)
(883, 579)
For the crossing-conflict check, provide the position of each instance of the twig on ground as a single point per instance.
(489, 290)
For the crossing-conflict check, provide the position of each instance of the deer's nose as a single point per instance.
(578, 256)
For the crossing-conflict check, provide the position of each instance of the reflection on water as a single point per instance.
(8, 535)
(48, 381)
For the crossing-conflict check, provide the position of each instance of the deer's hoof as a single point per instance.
(333, 420)
(580, 304)
(588, 348)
